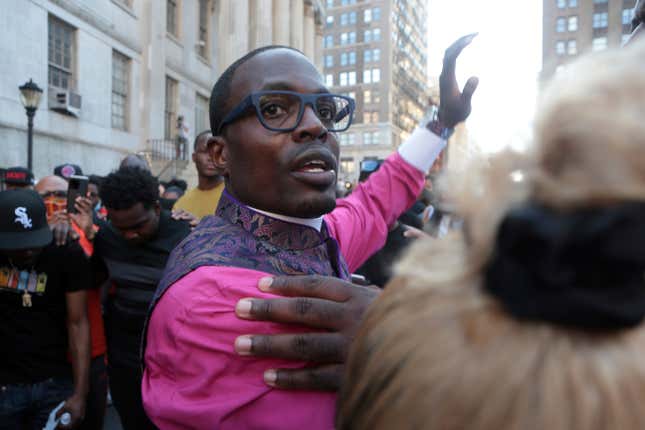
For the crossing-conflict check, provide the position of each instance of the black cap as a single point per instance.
(23, 220)
(67, 170)
(18, 176)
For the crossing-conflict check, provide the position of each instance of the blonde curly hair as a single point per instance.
(436, 352)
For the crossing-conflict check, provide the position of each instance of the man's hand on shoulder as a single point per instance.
(455, 105)
(323, 303)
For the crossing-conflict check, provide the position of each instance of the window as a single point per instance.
(627, 16)
(329, 61)
(376, 33)
(367, 96)
(352, 57)
(572, 47)
(376, 13)
(573, 23)
(367, 56)
(367, 15)
(171, 18)
(202, 35)
(352, 78)
(352, 17)
(342, 79)
(561, 25)
(352, 37)
(61, 54)
(599, 44)
(330, 3)
(371, 138)
(201, 114)
(599, 1)
(347, 165)
(343, 39)
(371, 76)
(330, 20)
(370, 117)
(600, 20)
(120, 80)
(328, 42)
(562, 4)
(376, 75)
(376, 55)
(343, 59)
(573, 3)
(560, 48)
(367, 36)
(329, 80)
(344, 19)
(170, 108)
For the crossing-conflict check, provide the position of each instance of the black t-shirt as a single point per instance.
(34, 339)
(135, 272)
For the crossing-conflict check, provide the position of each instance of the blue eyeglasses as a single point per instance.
(283, 110)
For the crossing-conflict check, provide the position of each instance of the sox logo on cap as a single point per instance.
(22, 217)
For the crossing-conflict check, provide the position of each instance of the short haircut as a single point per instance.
(96, 180)
(222, 88)
(198, 138)
(128, 186)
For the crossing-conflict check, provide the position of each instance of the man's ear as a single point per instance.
(218, 151)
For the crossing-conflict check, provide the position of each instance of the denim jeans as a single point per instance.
(27, 406)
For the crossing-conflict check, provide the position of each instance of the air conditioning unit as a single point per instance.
(65, 101)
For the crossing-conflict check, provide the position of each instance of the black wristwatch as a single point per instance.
(435, 125)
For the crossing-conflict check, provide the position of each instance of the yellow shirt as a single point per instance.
(200, 203)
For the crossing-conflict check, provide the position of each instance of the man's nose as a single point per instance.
(310, 126)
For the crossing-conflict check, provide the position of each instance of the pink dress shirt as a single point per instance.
(193, 377)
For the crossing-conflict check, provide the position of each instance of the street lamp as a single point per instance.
(30, 95)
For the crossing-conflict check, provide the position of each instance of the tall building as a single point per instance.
(118, 74)
(375, 51)
(574, 27)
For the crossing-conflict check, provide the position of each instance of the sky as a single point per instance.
(506, 57)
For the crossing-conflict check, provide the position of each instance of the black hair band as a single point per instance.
(583, 269)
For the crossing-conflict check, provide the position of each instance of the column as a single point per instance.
(297, 21)
(239, 31)
(281, 27)
(261, 23)
(309, 34)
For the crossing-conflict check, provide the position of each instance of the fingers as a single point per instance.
(448, 77)
(321, 378)
(83, 205)
(61, 231)
(415, 233)
(312, 347)
(469, 89)
(454, 50)
(312, 312)
(324, 287)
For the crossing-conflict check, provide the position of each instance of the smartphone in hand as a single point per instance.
(77, 187)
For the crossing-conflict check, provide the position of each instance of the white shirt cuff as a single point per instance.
(422, 148)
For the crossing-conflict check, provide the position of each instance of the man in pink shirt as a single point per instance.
(274, 139)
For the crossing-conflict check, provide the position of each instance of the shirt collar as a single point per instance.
(315, 223)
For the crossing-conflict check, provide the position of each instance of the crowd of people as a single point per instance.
(237, 303)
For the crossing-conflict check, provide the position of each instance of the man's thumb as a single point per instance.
(469, 89)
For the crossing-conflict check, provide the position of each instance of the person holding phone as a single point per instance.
(43, 303)
(71, 227)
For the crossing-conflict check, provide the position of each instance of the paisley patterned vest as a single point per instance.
(237, 236)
